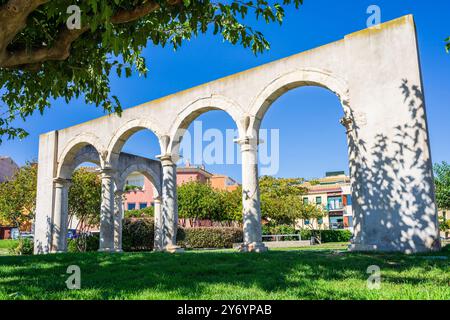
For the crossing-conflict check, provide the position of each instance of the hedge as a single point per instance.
(213, 237)
(138, 234)
(328, 235)
(84, 243)
(305, 234)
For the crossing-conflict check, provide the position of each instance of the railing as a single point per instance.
(335, 208)
(278, 236)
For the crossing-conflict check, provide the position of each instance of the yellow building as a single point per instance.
(333, 193)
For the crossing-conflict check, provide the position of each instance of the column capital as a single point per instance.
(107, 172)
(61, 182)
(166, 160)
(248, 143)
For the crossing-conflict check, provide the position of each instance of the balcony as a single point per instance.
(335, 207)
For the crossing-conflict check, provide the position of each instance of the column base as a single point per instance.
(173, 249)
(106, 250)
(253, 247)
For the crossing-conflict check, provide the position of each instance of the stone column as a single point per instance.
(158, 245)
(118, 218)
(169, 204)
(250, 197)
(107, 211)
(60, 215)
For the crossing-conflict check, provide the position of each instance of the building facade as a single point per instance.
(140, 191)
(333, 193)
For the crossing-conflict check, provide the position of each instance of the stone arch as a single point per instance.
(197, 108)
(83, 147)
(145, 170)
(121, 136)
(297, 78)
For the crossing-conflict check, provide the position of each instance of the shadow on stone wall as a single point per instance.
(395, 211)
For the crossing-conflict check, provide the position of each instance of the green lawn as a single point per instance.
(313, 273)
(5, 245)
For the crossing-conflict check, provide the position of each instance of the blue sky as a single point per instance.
(320, 146)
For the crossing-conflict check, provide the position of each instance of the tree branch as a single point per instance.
(13, 18)
(31, 59)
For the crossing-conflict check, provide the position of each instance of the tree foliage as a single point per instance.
(442, 183)
(41, 59)
(282, 202)
(85, 197)
(447, 45)
(198, 201)
(18, 196)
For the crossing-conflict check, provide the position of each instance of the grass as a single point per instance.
(321, 272)
(5, 245)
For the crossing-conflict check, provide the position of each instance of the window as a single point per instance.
(142, 205)
(318, 200)
(131, 206)
(334, 203)
(306, 222)
(305, 200)
(320, 221)
(135, 180)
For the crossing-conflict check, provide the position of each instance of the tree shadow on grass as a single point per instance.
(273, 275)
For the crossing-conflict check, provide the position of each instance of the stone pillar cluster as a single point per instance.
(165, 207)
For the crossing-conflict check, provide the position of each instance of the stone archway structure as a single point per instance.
(376, 75)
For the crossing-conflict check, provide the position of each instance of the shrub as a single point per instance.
(22, 247)
(140, 213)
(215, 237)
(138, 234)
(335, 235)
(84, 243)
(327, 235)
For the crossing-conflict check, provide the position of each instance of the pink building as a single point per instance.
(142, 196)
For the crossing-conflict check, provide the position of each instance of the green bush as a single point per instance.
(214, 237)
(84, 243)
(140, 213)
(327, 235)
(22, 247)
(305, 234)
(138, 234)
(335, 235)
